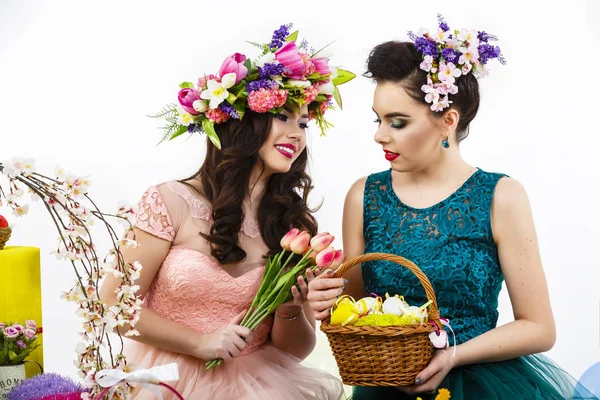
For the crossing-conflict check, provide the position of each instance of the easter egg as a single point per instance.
(393, 306)
(344, 314)
(3, 222)
(368, 305)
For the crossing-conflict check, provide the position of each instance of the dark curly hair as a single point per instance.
(225, 180)
(400, 62)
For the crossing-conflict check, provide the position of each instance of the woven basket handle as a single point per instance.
(434, 313)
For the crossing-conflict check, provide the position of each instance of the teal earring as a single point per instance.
(445, 143)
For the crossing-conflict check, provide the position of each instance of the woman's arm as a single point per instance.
(161, 332)
(533, 330)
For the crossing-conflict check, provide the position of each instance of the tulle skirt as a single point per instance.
(533, 377)
(265, 374)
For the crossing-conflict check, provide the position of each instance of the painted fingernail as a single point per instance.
(418, 380)
(329, 271)
(344, 287)
(345, 281)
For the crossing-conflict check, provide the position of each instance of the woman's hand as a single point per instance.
(323, 293)
(429, 379)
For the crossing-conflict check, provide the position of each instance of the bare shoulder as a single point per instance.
(356, 192)
(509, 194)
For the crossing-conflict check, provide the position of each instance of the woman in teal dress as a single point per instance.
(467, 229)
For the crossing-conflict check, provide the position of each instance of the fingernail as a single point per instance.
(329, 271)
(418, 380)
(344, 287)
(345, 281)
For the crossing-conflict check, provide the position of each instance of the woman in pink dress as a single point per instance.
(204, 241)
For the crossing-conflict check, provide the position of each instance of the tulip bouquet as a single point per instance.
(280, 274)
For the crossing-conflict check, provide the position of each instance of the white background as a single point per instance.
(77, 80)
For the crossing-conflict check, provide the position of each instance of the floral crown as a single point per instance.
(449, 54)
(284, 74)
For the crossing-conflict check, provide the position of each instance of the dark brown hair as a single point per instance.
(399, 62)
(225, 178)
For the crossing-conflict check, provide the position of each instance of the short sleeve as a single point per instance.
(152, 215)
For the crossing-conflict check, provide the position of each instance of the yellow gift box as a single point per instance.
(21, 293)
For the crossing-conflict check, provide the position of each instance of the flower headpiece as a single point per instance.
(449, 54)
(284, 74)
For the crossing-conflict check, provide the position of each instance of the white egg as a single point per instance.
(394, 306)
(368, 305)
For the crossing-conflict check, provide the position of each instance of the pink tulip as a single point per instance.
(300, 243)
(321, 65)
(187, 97)
(338, 259)
(287, 239)
(325, 258)
(234, 64)
(321, 241)
(289, 56)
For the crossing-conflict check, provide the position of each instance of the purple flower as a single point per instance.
(487, 52)
(228, 108)
(450, 55)
(442, 24)
(193, 128)
(19, 328)
(11, 332)
(279, 36)
(427, 47)
(21, 344)
(48, 384)
(483, 37)
(269, 70)
(259, 84)
(31, 324)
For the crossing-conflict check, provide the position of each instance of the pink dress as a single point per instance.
(193, 289)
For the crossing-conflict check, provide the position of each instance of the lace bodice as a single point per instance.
(191, 287)
(451, 242)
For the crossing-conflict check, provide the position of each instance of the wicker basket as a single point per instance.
(4, 236)
(383, 355)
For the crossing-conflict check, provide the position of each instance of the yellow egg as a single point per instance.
(368, 305)
(344, 314)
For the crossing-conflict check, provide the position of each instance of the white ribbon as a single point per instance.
(445, 322)
(150, 378)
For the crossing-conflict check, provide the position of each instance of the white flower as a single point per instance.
(59, 173)
(441, 36)
(298, 83)
(217, 92)
(200, 106)
(432, 94)
(427, 63)
(334, 73)
(268, 58)
(327, 87)
(132, 332)
(441, 104)
(183, 117)
(448, 72)
(469, 54)
(21, 210)
(129, 244)
(466, 68)
(423, 31)
(469, 36)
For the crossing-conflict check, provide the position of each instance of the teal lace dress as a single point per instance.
(452, 243)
